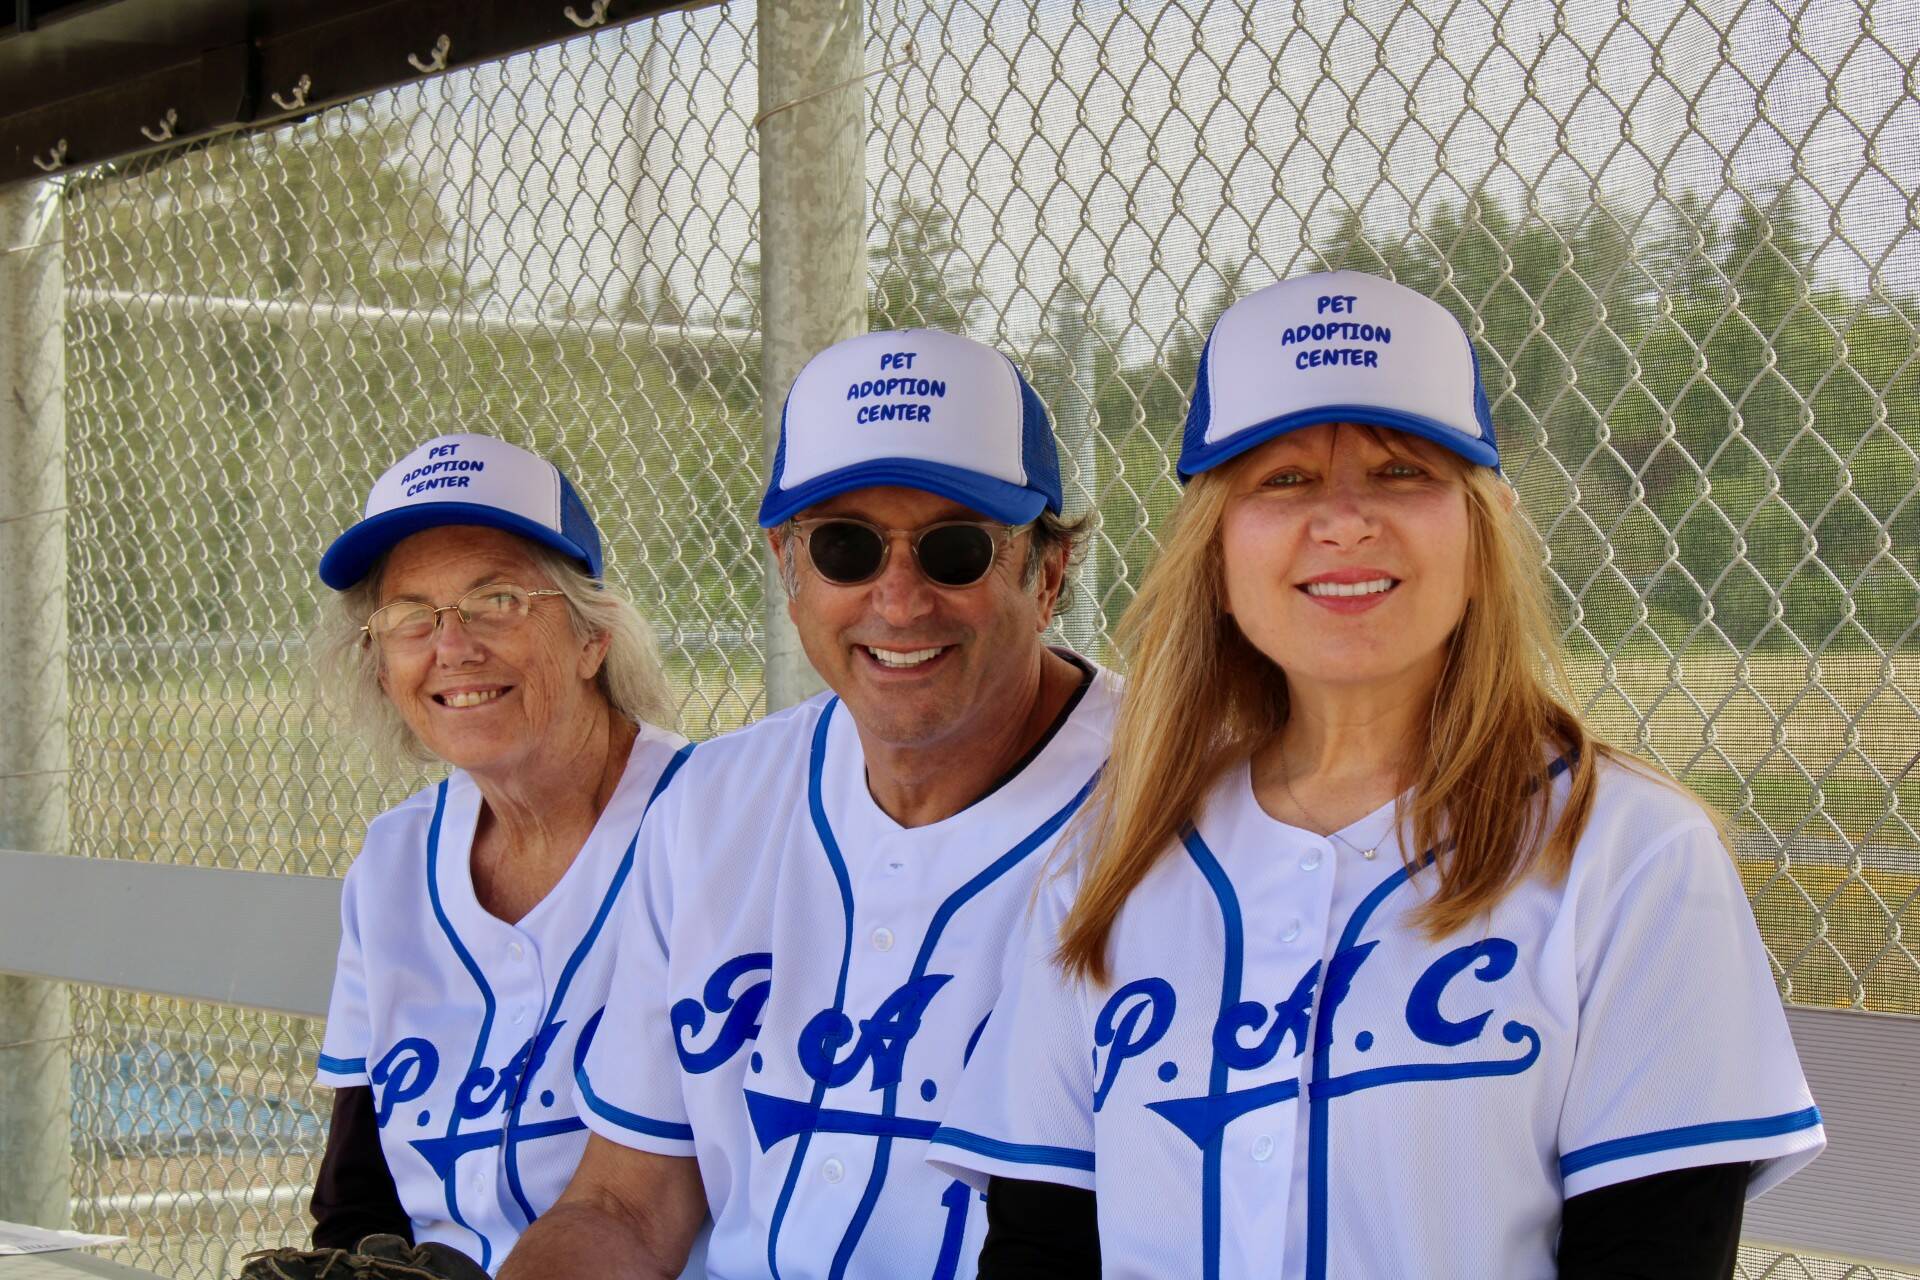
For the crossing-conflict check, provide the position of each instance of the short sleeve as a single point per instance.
(1024, 1105)
(344, 1047)
(1682, 1056)
(626, 1068)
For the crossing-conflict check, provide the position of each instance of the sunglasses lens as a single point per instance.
(845, 552)
(956, 555)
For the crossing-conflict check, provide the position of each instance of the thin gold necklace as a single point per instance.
(1286, 784)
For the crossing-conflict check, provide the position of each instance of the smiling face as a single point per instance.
(920, 665)
(494, 705)
(1345, 555)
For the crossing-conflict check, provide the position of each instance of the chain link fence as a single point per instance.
(1686, 244)
(1683, 235)
(554, 249)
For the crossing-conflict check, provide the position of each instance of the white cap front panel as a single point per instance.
(918, 394)
(472, 468)
(1342, 338)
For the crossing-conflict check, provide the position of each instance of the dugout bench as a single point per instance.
(66, 1266)
(266, 941)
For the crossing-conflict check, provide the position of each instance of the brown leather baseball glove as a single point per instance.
(381, 1257)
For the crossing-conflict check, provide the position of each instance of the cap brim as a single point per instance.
(1478, 450)
(995, 499)
(357, 550)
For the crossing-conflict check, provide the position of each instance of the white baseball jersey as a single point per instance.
(802, 979)
(1287, 1077)
(464, 1025)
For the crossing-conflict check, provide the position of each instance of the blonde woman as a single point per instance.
(1373, 963)
(472, 628)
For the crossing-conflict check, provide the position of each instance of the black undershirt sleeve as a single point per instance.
(1039, 1231)
(1683, 1225)
(353, 1194)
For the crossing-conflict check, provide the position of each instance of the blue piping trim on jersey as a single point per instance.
(816, 765)
(486, 996)
(1230, 973)
(951, 907)
(630, 1119)
(1012, 1152)
(1692, 1135)
(343, 1066)
(1318, 1098)
(580, 951)
(1377, 1077)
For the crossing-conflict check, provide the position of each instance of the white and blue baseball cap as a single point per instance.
(920, 409)
(1341, 346)
(465, 479)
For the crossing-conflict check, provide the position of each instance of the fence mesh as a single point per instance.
(1685, 246)
(1682, 235)
(553, 249)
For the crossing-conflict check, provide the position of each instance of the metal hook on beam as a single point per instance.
(438, 62)
(162, 132)
(596, 18)
(299, 98)
(55, 159)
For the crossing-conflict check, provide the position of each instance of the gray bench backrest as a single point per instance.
(269, 942)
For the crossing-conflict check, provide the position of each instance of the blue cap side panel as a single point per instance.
(1193, 437)
(576, 525)
(779, 469)
(1481, 409)
(1039, 454)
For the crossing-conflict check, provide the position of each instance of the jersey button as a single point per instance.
(1263, 1148)
(883, 939)
(833, 1170)
(517, 951)
(1311, 862)
(1291, 932)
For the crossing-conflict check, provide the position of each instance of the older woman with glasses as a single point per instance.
(472, 627)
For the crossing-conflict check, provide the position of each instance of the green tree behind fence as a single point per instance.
(1718, 448)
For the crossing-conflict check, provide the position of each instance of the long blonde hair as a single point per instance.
(1200, 698)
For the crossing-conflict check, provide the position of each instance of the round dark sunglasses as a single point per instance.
(953, 553)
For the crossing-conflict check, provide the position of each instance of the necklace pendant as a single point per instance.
(1368, 853)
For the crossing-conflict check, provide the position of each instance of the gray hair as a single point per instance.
(630, 676)
(1046, 535)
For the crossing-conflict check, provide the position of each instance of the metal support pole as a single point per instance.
(813, 202)
(35, 1019)
(1084, 626)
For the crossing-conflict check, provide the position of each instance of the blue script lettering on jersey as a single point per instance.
(883, 1038)
(482, 1091)
(1119, 1025)
(1150, 1001)
(1292, 1017)
(1497, 957)
(468, 1100)
(409, 1068)
(406, 1072)
(719, 995)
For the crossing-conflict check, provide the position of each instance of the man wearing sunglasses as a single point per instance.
(823, 901)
